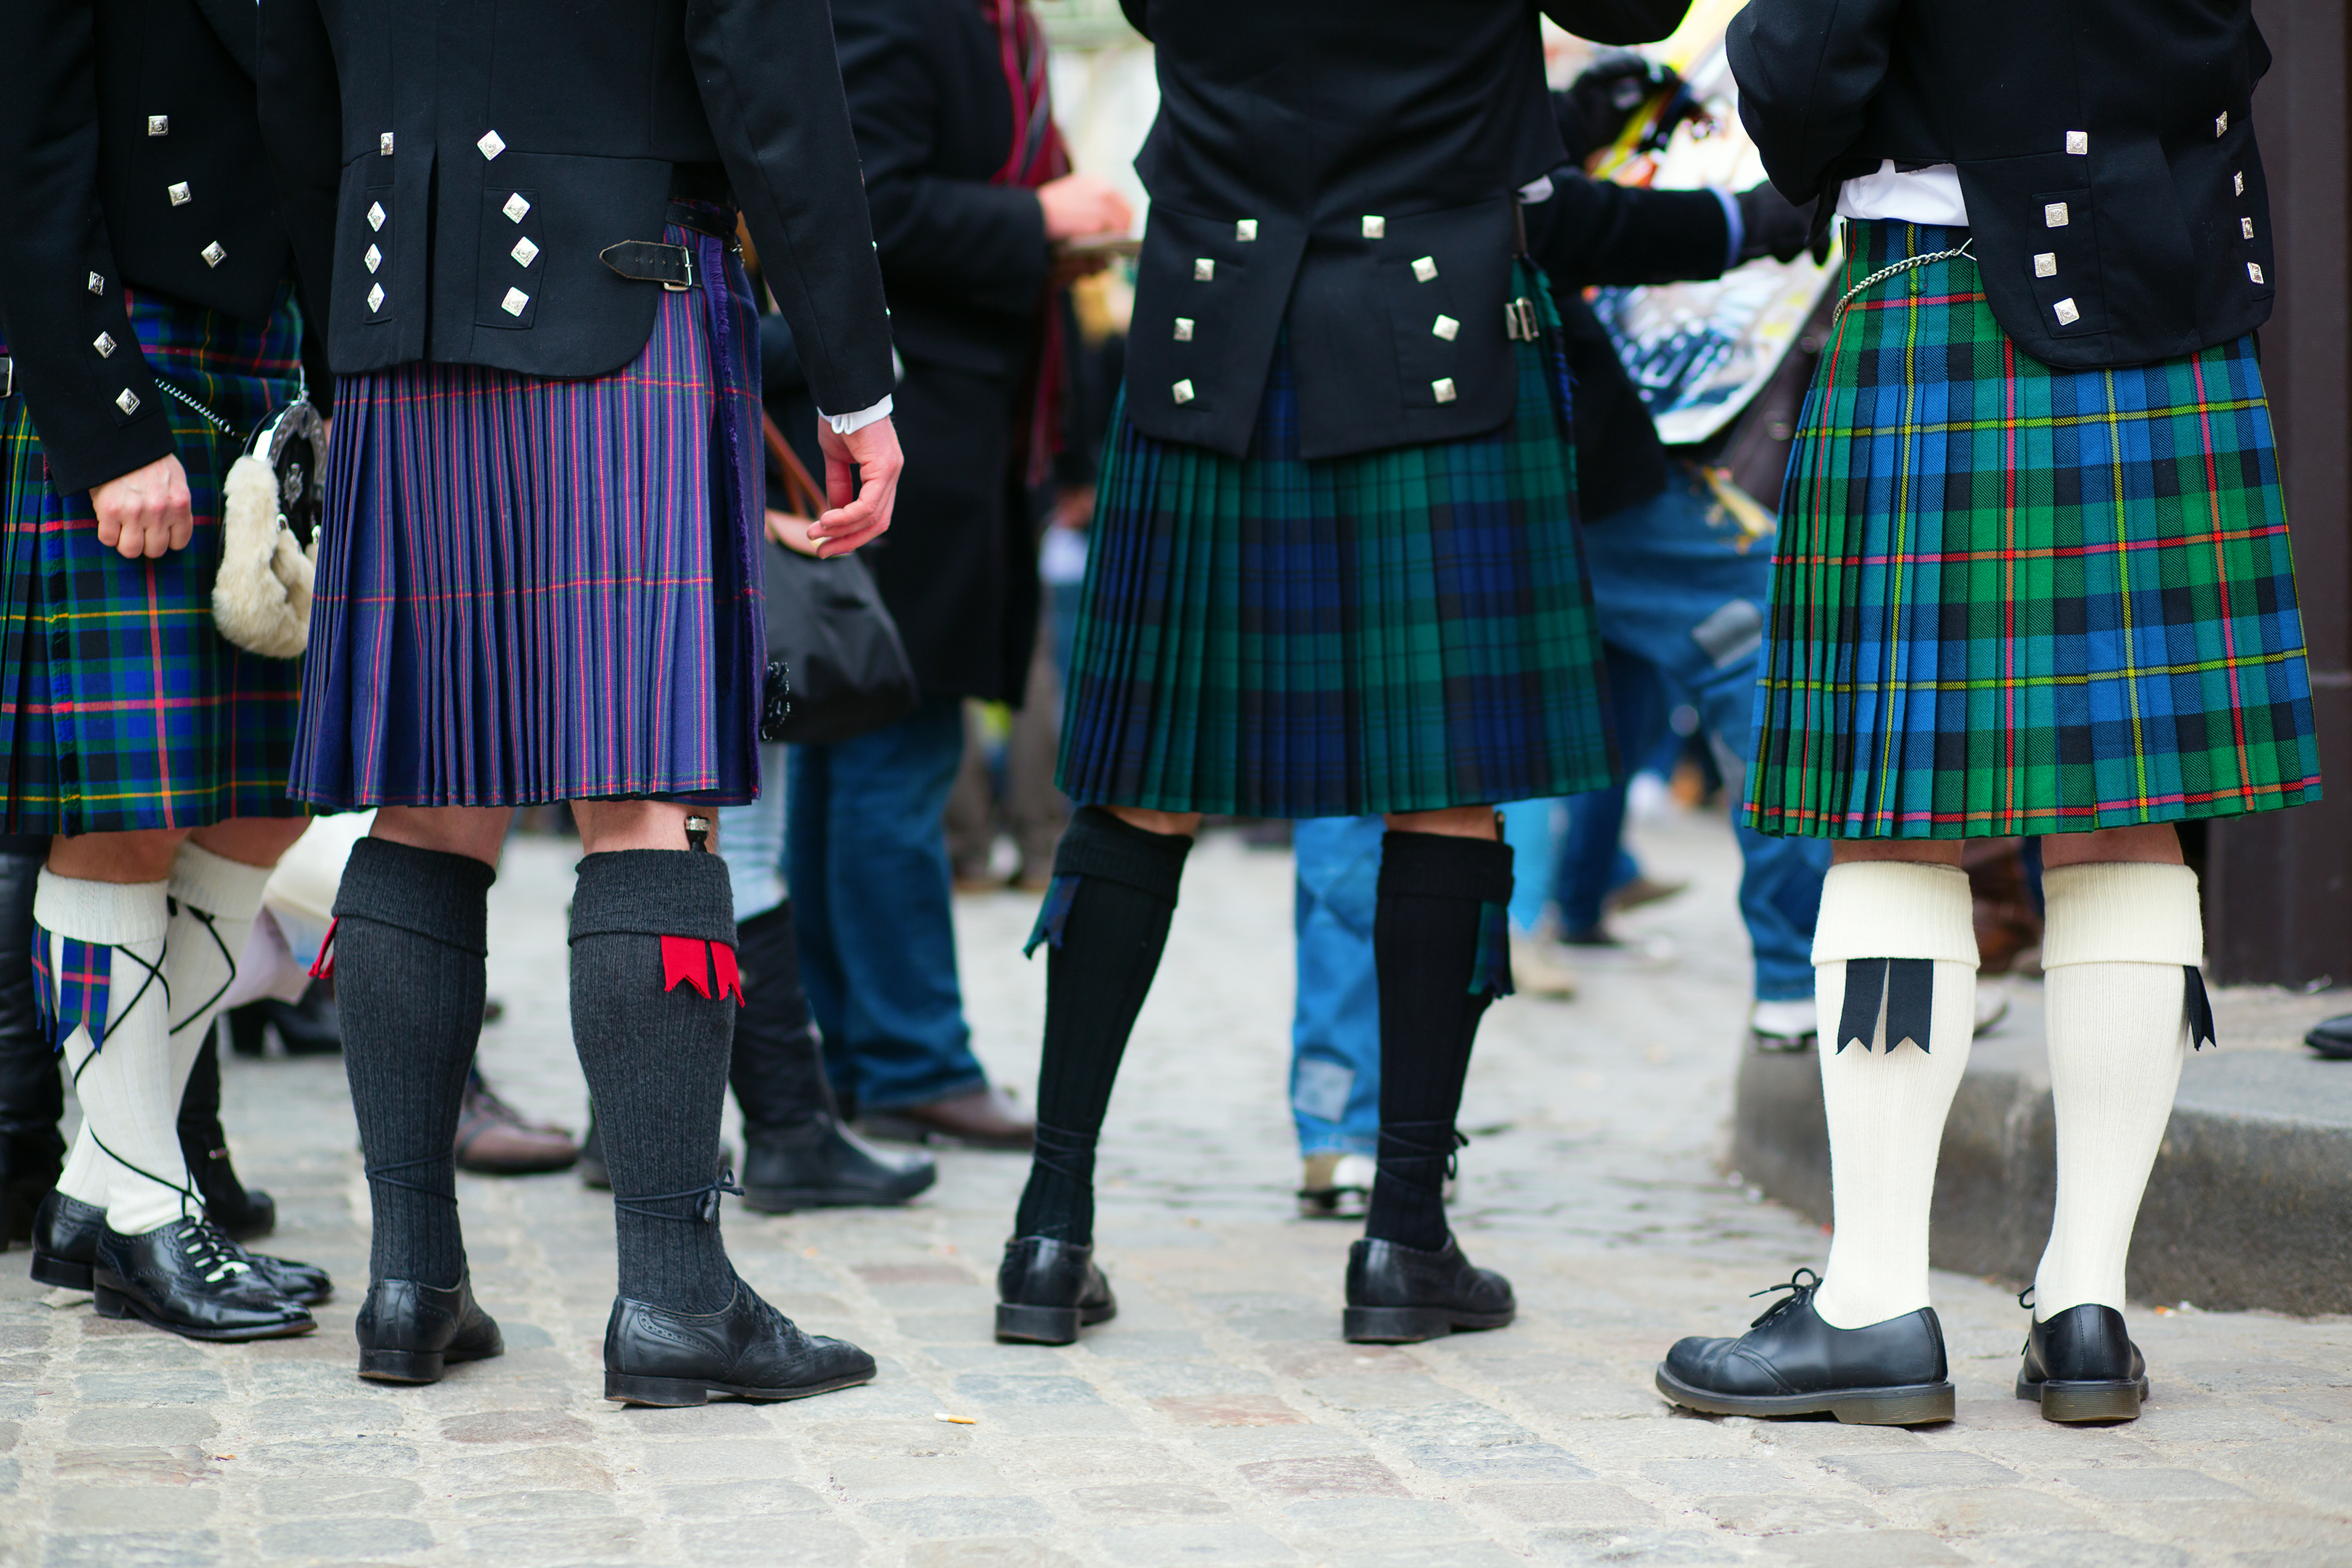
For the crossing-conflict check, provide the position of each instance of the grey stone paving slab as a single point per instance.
(1218, 1420)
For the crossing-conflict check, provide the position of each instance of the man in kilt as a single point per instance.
(541, 581)
(2033, 578)
(151, 326)
(1334, 571)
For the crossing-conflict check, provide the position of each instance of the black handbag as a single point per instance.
(836, 668)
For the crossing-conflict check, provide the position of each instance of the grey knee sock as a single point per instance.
(410, 940)
(652, 1017)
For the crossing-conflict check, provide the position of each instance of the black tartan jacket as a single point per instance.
(419, 143)
(1348, 167)
(130, 154)
(2106, 149)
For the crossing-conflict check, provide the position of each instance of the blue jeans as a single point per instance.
(751, 841)
(868, 861)
(1335, 1032)
(1592, 858)
(1673, 585)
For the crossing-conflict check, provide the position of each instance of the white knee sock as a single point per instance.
(2118, 938)
(1886, 1104)
(213, 904)
(129, 1105)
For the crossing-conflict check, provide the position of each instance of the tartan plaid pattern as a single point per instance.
(537, 589)
(2016, 599)
(73, 991)
(1403, 630)
(120, 708)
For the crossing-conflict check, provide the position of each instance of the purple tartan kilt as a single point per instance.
(534, 589)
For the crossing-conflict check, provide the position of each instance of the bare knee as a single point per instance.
(142, 857)
(1183, 824)
(609, 825)
(2155, 844)
(1918, 851)
(1453, 822)
(477, 832)
(252, 840)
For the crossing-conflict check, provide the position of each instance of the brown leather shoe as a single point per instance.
(986, 1117)
(493, 1140)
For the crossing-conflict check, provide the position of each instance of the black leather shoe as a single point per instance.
(65, 1246)
(1046, 1289)
(1400, 1294)
(244, 1214)
(2082, 1366)
(2332, 1037)
(1790, 1363)
(190, 1278)
(823, 1164)
(408, 1330)
(656, 1356)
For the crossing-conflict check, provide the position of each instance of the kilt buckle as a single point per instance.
(7, 376)
(1520, 322)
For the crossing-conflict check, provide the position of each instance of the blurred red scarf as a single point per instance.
(1037, 156)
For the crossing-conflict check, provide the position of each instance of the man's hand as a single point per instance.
(145, 511)
(1078, 206)
(864, 464)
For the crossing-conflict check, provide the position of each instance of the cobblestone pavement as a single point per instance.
(1220, 1419)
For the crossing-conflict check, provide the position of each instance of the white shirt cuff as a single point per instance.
(844, 424)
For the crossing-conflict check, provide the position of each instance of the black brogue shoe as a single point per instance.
(657, 1356)
(188, 1277)
(820, 1163)
(1791, 1363)
(1047, 1289)
(409, 1332)
(1400, 1295)
(2081, 1365)
(65, 1245)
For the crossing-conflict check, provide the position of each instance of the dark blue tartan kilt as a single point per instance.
(1403, 630)
(535, 589)
(120, 708)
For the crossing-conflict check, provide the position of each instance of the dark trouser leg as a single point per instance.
(1441, 939)
(32, 1095)
(1105, 917)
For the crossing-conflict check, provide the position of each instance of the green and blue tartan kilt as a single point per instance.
(1403, 630)
(120, 707)
(2012, 598)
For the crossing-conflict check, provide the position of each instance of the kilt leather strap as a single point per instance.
(650, 261)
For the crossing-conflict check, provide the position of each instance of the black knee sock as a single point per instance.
(1107, 919)
(410, 942)
(1441, 956)
(654, 995)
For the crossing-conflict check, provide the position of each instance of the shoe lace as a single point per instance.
(211, 1253)
(1801, 1287)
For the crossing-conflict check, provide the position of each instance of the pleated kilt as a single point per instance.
(120, 707)
(535, 589)
(1402, 630)
(2016, 599)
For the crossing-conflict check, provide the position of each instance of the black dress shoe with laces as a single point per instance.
(65, 1247)
(1400, 1294)
(2081, 1365)
(656, 1356)
(1046, 1289)
(188, 1277)
(409, 1330)
(820, 1163)
(1790, 1363)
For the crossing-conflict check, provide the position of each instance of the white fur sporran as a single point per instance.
(269, 535)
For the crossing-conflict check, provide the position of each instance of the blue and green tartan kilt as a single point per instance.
(2012, 598)
(120, 707)
(1403, 630)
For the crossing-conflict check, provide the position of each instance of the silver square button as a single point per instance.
(491, 144)
(2221, 122)
(97, 285)
(128, 402)
(1245, 230)
(515, 207)
(2045, 264)
(376, 297)
(2065, 312)
(2078, 143)
(2054, 215)
(1425, 269)
(374, 258)
(1184, 391)
(104, 345)
(213, 254)
(376, 215)
(2254, 270)
(1203, 269)
(524, 251)
(2238, 182)
(159, 125)
(180, 193)
(1375, 228)
(1444, 389)
(1183, 329)
(514, 303)
(2246, 227)
(1446, 327)
(383, 146)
